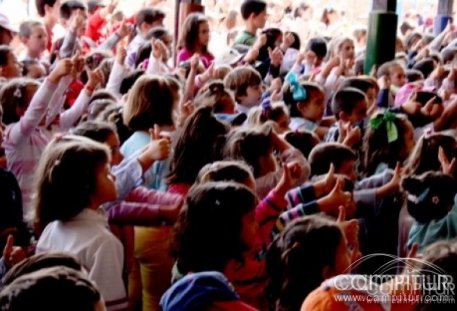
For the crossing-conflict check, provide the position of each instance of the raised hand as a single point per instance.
(63, 68)
(158, 148)
(447, 167)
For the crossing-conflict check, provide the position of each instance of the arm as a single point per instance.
(58, 99)
(267, 212)
(118, 72)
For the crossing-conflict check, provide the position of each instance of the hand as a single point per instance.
(310, 57)
(276, 57)
(290, 178)
(12, 254)
(124, 30)
(121, 54)
(195, 61)
(159, 148)
(77, 21)
(394, 183)
(161, 49)
(111, 6)
(95, 77)
(353, 134)
(275, 85)
(300, 58)
(289, 39)
(330, 179)
(209, 73)
(78, 65)
(428, 108)
(185, 109)
(63, 68)
(261, 41)
(446, 166)
(337, 197)
(384, 83)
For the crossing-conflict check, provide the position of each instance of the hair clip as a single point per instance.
(17, 93)
(266, 108)
(217, 203)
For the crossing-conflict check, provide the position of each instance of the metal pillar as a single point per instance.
(382, 33)
(443, 16)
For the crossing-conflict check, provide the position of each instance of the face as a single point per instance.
(371, 97)
(398, 76)
(358, 113)
(347, 49)
(114, 145)
(38, 40)
(253, 96)
(260, 19)
(348, 169)
(203, 34)
(314, 110)
(249, 232)
(13, 68)
(53, 12)
(282, 124)
(36, 71)
(5, 36)
(105, 188)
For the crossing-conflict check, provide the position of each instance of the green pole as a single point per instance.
(382, 34)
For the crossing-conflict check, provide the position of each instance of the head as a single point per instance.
(141, 112)
(394, 71)
(293, 272)
(304, 141)
(7, 30)
(71, 8)
(49, 9)
(381, 145)
(200, 143)
(424, 156)
(214, 227)
(430, 196)
(33, 69)
(97, 107)
(15, 98)
(341, 156)
(228, 171)
(9, 65)
(318, 46)
(53, 288)
(148, 18)
(312, 107)
(195, 33)
(34, 36)
(254, 146)
(275, 112)
(245, 83)
(216, 96)
(425, 66)
(411, 40)
(365, 84)
(413, 75)
(255, 12)
(344, 47)
(71, 177)
(104, 133)
(349, 105)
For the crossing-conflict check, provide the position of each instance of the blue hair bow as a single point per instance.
(298, 91)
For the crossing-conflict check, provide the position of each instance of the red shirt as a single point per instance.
(95, 26)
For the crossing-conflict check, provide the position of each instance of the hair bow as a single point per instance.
(298, 91)
(388, 120)
(420, 198)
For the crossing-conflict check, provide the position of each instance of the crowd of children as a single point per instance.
(139, 173)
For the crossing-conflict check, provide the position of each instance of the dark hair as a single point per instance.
(215, 95)
(430, 195)
(149, 16)
(345, 100)
(249, 145)
(413, 75)
(410, 40)
(404, 27)
(40, 6)
(324, 154)
(426, 66)
(145, 50)
(41, 261)
(377, 149)
(293, 272)
(297, 42)
(56, 288)
(384, 69)
(207, 234)
(103, 94)
(26, 64)
(67, 8)
(361, 83)
(255, 7)
(66, 178)
(312, 89)
(128, 82)
(448, 54)
(272, 35)
(190, 31)
(5, 50)
(95, 130)
(317, 45)
(113, 115)
(359, 66)
(304, 141)
(233, 171)
(199, 143)
(13, 96)
(97, 107)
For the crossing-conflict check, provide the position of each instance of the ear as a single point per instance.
(343, 116)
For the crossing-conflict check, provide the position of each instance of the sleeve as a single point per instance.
(266, 214)
(366, 197)
(58, 99)
(33, 115)
(375, 181)
(134, 214)
(299, 195)
(106, 272)
(288, 216)
(151, 196)
(383, 98)
(110, 43)
(69, 117)
(116, 76)
(68, 45)
(128, 175)
(3, 269)
(155, 66)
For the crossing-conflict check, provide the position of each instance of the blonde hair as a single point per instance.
(239, 79)
(151, 101)
(259, 115)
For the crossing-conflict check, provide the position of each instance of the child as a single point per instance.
(306, 105)
(73, 181)
(49, 11)
(34, 37)
(9, 65)
(349, 106)
(293, 272)
(276, 112)
(33, 69)
(430, 202)
(395, 72)
(254, 13)
(195, 37)
(388, 140)
(245, 83)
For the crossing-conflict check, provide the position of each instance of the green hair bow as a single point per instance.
(298, 91)
(388, 120)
